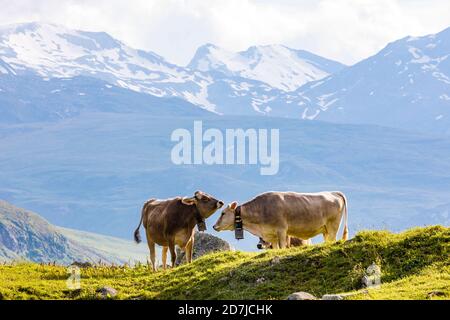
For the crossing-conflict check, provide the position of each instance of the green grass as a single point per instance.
(415, 264)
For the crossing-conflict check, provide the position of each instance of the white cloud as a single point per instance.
(346, 30)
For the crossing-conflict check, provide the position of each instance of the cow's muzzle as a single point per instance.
(219, 204)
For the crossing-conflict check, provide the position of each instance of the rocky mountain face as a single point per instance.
(30, 236)
(25, 235)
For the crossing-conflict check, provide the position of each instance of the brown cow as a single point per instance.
(275, 215)
(171, 222)
(290, 242)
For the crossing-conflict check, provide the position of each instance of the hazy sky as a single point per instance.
(345, 30)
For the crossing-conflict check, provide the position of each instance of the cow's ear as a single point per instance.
(233, 205)
(198, 194)
(188, 201)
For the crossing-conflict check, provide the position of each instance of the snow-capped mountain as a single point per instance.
(405, 85)
(53, 51)
(276, 65)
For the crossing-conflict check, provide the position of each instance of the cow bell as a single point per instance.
(239, 233)
(238, 225)
(201, 226)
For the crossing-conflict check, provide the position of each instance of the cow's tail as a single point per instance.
(137, 235)
(345, 209)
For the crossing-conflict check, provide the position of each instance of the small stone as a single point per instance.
(107, 292)
(332, 297)
(372, 277)
(260, 280)
(301, 296)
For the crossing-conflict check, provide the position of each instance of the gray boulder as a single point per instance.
(106, 292)
(203, 243)
(301, 296)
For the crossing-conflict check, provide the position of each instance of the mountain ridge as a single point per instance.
(281, 67)
(50, 51)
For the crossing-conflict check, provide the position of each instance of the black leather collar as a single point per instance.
(201, 224)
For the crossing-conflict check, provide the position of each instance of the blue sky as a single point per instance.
(345, 30)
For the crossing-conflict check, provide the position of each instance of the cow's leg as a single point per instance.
(151, 246)
(331, 232)
(164, 257)
(173, 253)
(288, 241)
(189, 250)
(273, 240)
(282, 239)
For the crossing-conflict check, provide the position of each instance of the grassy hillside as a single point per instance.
(415, 265)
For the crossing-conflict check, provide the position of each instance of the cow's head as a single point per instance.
(205, 203)
(262, 244)
(226, 219)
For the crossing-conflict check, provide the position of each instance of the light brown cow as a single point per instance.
(171, 222)
(275, 215)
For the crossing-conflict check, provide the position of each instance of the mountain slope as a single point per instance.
(30, 98)
(276, 65)
(405, 85)
(25, 235)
